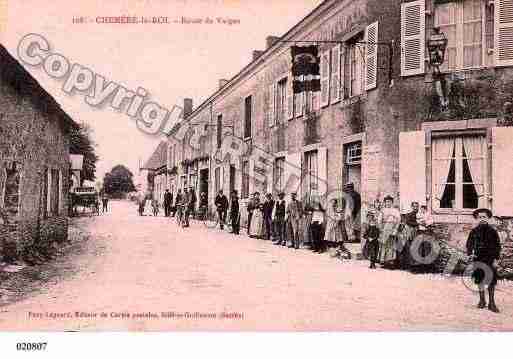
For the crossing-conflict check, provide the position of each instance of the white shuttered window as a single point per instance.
(503, 32)
(335, 74)
(325, 78)
(413, 23)
(371, 38)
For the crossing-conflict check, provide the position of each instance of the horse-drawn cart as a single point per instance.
(85, 200)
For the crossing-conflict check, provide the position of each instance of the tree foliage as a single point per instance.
(118, 181)
(81, 143)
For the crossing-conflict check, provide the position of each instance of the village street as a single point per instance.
(141, 265)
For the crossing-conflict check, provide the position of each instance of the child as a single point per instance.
(371, 235)
(424, 219)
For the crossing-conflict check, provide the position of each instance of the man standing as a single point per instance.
(353, 204)
(484, 247)
(178, 201)
(234, 212)
(279, 220)
(193, 199)
(184, 204)
(221, 203)
(268, 215)
(105, 202)
(168, 200)
(294, 213)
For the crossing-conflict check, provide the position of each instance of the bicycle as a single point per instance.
(179, 215)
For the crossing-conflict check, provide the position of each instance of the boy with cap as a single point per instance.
(484, 247)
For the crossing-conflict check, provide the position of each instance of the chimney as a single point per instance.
(271, 40)
(222, 82)
(257, 54)
(187, 107)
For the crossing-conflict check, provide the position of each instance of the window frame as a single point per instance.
(279, 176)
(281, 116)
(486, 60)
(462, 127)
(219, 130)
(245, 179)
(248, 117)
(310, 176)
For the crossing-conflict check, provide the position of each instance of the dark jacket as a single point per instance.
(221, 202)
(484, 243)
(280, 209)
(234, 208)
(267, 209)
(411, 219)
(168, 199)
(178, 199)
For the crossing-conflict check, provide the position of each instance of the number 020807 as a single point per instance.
(31, 346)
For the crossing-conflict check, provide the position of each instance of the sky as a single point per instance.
(170, 61)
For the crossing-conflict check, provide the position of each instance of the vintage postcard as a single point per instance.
(271, 166)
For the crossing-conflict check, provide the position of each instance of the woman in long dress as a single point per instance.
(389, 220)
(257, 220)
(335, 230)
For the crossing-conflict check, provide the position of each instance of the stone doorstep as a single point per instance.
(11, 268)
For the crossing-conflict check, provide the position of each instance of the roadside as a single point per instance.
(20, 280)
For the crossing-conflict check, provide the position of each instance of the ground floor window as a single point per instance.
(12, 189)
(245, 179)
(217, 179)
(279, 174)
(54, 192)
(458, 171)
(311, 178)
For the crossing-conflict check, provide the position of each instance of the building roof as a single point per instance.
(15, 75)
(289, 35)
(158, 159)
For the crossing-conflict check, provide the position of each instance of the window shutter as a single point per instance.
(50, 194)
(290, 98)
(325, 78)
(292, 173)
(322, 170)
(343, 70)
(502, 171)
(272, 98)
(412, 168)
(335, 74)
(371, 37)
(503, 36)
(413, 37)
(298, 106)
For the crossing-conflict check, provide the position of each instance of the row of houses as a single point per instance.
(35, 168)
(377, 121)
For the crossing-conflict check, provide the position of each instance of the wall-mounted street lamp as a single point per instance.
(437, 44)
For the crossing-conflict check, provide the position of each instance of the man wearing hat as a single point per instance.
(484, 247)
(279, 220)
(294, 213)
(352, 207)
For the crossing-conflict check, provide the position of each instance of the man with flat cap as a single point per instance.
(484, 247)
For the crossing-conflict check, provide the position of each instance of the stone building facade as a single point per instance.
(377, 121)
(34, 163)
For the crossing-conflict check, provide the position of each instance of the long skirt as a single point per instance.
(388, 249)
(256, 226)
(335, 231)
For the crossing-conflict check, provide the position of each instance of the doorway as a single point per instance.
(203, 184)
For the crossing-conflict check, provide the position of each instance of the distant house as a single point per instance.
(156, 167)
(34, 163)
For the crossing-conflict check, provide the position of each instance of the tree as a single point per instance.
(118, 182)
(81, 143)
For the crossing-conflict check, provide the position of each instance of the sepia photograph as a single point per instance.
(238, 166)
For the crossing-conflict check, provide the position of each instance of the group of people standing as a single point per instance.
(292, 222)
(184, 204)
